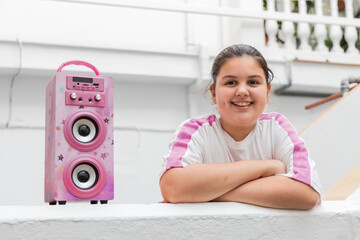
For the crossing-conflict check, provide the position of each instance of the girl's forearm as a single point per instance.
(204, 182)
(275, 192)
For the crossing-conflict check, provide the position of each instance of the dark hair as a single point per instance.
(238, 50)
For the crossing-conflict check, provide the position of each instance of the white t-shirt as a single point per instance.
(203, 140)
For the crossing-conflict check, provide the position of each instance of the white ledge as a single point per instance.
(122, 64)
(330, 220)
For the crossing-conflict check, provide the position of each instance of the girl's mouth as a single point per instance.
(242, 104)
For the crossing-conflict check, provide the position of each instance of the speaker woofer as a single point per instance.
(85, 130)
(85, 176)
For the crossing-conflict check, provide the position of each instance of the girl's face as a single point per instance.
(241, 94)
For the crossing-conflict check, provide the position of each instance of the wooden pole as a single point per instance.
(322, 101)
(325, 100)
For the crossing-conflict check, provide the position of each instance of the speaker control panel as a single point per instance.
(82, 98)
(84, 91)
(85, 83)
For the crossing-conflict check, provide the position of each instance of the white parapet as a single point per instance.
(329, 220)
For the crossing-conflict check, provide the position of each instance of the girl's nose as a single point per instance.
(242, 90)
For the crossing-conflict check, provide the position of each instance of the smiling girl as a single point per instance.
(241, 155)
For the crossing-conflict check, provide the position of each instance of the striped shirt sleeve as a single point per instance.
(188, 144)
(291, 149)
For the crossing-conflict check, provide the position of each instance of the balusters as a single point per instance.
(287, 28)
(335, 30)
(303, 29)
(271, 26)
(320, 29)
(350, 32)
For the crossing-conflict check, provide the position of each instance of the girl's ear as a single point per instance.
(269, 88)
(212, 90)
(268, 91)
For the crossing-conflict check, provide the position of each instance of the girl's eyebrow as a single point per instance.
(255, 76)
(251, 76)
(229, 76)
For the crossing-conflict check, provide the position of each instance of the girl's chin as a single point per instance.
(240, 117)
(239, 121)
(245, 120)
(244, 123)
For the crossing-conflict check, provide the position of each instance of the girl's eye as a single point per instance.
(253, 82)
(230, 83)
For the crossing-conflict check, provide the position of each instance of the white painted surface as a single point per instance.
(330, 220)
(333, 139)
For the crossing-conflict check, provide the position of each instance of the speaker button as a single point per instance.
(97, 97)
(73, 96)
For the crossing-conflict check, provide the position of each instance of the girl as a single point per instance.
(242, 155)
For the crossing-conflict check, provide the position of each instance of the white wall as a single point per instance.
(332, 139)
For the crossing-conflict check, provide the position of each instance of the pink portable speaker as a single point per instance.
(79, 153)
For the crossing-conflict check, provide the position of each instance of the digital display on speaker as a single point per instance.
(82, 79)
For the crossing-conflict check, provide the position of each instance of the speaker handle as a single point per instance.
(76, 62)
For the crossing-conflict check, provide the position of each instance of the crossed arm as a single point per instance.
(248, 181)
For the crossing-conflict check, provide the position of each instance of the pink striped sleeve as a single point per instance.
(180, 144)
(300, 155)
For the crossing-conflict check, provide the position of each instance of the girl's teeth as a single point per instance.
(242, 104)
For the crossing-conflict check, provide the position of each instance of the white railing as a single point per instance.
(313, 29)
(284, 28)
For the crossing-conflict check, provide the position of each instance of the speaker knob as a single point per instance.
(97, 97)
(73, 96)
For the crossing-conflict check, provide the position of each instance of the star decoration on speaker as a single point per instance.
(60, 157)
(106, 120)
(103, 155)
(63, 122)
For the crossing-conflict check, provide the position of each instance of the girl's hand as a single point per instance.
(273, 167)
